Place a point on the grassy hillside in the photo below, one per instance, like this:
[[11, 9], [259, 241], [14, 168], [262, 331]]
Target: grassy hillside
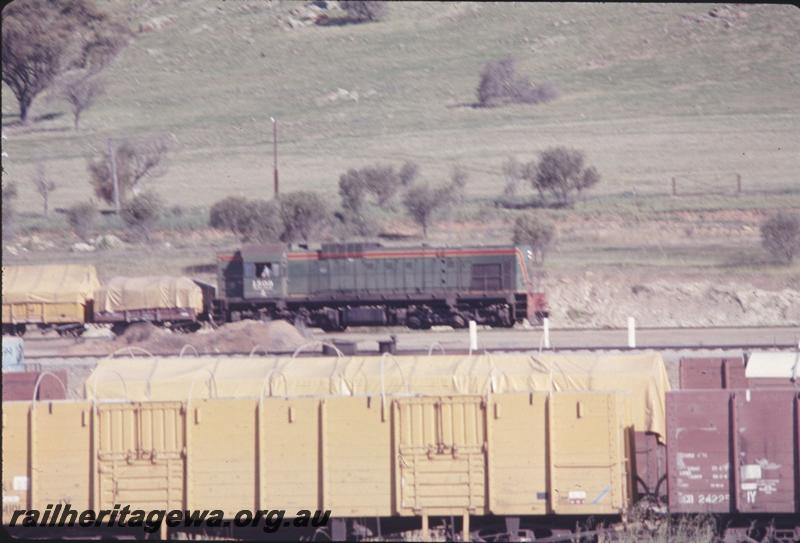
[[647, 91]]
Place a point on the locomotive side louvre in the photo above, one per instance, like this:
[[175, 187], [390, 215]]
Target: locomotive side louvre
[[343, 284]]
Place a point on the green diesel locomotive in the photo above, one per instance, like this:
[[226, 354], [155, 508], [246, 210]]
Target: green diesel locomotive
[[367, 284]]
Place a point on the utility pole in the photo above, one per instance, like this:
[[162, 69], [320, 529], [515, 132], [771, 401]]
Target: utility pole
[[113, 159], [275, 155]]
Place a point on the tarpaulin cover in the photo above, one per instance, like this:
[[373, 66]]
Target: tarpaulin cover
[[51, 283], [130, 293], [642, 375]]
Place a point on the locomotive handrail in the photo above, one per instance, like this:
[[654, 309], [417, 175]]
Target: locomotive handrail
[[339, 353], [436, 344], [196, 352], [39, 379]]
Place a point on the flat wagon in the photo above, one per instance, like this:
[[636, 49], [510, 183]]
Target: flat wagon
[[55, 296]]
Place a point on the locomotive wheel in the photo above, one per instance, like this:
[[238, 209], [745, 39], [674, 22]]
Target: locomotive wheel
[[459, 321], [414, 322]]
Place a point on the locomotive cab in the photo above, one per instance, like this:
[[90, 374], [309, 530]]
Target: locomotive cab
[[264, 271]]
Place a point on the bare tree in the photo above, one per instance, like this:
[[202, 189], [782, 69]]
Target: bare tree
[[82, 217], [42, 39], [44, 186], [512, 172], [499, 84], [408, 172], [135, 162], [142, 212], [458, 184], [538, 235], [81, 94], [780, 235], [423, 202]]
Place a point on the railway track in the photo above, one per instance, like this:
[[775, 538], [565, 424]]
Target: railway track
[[713, 339]]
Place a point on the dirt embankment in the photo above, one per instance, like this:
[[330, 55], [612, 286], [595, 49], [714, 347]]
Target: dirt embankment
[[238, 337], [593, 301]]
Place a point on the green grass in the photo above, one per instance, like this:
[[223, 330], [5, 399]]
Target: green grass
[[646, 95]]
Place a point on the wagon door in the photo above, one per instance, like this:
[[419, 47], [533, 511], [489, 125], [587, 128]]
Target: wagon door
[[764, 450], [140, 455], [440, 455]]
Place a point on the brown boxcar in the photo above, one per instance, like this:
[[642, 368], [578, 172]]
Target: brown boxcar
[[733, 451], [712, 372], [19, 385]]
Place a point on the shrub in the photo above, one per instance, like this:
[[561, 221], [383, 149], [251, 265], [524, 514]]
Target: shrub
[[141, 213], [82, 218], [250, 220], [560, 174], [529, 230], [302, 214], [423, 202], [380, 180], [364, 10], [231, 213], [9, 195], [780, 235], [499, 84], [353, 191]]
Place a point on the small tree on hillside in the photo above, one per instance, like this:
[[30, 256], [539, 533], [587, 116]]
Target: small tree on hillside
[[81, 94], [408, 173], [353, 191], [43, 39], [142, 212], [528, 230], [423, 202], [135, 162], [364, 10], [250, 220], [44, 186], [458, 184], [512, 172], [82, 217], [780, 235], [561, 173], [380, 180], [303, 213], [500, 84], [9, 196]]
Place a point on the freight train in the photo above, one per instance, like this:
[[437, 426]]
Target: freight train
[[496, 447], [331, 287]]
